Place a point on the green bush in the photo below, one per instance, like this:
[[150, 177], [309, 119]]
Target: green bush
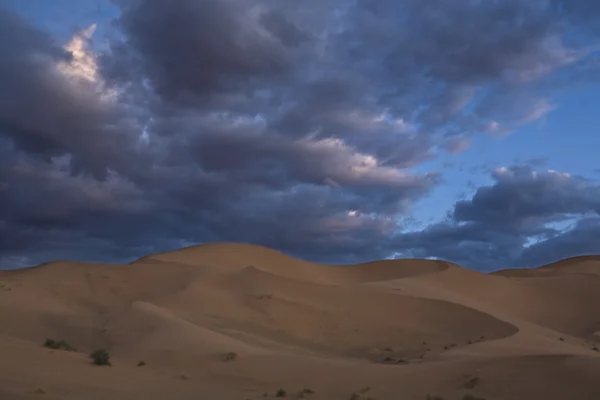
[[100, 357], [58, 345], [471, 383]]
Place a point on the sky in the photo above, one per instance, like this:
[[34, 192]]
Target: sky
[[338, 131]]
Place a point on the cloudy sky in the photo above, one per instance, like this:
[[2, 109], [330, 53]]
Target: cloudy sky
[[333, 130]]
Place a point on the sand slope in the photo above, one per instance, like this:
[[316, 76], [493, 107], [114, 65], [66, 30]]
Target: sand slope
[[236, 321]]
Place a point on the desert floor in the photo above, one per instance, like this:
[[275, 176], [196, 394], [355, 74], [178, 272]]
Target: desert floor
[[234, 321]]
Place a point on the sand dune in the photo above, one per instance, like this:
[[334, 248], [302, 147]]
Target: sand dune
[[235, 321], [573, 265], [235, 256]]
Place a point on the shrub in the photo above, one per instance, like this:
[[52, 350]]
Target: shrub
[[364, 390], [141, 363], [280, 393], [100, 357], [360, 394], [429, 397], [230, 356], [58, 345], [471, 383]]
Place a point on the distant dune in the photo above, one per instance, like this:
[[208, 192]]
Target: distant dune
[[238, 321]]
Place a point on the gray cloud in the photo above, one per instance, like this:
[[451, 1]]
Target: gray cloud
[[47, 113], [451, 40], [218, 46], [521, 195], [581, 239], [514, 222], [292, 125]]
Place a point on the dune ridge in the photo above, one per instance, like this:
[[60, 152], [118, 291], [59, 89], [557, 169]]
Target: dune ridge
[[236, 320]]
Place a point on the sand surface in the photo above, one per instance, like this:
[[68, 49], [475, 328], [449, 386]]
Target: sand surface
[[235, 321]]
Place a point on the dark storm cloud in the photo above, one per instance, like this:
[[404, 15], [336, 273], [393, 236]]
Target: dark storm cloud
[[185, 182], [452, 54], [492, 230], [581, 239], [216, 46], [286, 32], [293, 125], [463, 42], [47, 114], [521, 194]]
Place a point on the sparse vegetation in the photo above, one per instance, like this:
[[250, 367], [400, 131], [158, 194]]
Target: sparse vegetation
[[280, 393], [359, 395], [230, 356], [393, 361], [100, 357], [141, 363], [267, 296], [58, 345], [471, 383]]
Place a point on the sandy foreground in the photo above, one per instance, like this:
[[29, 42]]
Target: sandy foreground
[[235, 321]]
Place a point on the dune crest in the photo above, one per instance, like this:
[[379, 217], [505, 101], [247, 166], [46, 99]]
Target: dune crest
[[241, 255]]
